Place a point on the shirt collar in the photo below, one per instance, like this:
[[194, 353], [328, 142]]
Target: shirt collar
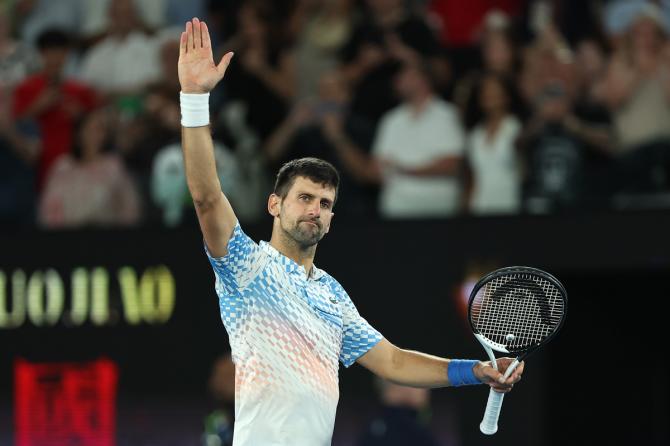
[[289, 264]]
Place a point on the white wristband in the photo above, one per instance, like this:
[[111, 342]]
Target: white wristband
[[194, 109]]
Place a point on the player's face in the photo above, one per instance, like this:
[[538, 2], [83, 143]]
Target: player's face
[[306, 211]]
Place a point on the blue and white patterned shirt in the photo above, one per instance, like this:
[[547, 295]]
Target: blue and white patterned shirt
[[287, 333]]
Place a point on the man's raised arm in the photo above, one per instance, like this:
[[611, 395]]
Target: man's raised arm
[[198, 74]]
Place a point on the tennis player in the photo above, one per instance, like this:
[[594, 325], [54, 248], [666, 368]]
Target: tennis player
[[289, 322]]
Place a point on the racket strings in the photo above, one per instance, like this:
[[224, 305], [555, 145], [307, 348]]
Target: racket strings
[[517, 310]]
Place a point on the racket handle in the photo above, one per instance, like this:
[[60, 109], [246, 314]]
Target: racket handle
[[489, 424]]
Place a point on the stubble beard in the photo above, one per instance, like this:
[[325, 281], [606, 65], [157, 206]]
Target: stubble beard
[[304, 235]]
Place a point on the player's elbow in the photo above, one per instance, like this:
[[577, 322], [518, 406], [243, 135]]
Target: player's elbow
[[205, 202], [393, 367]]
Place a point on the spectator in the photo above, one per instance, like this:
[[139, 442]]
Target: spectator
[[637, 87], [53, 101], [152, 14], [402, 420], [555, 154], [168, 53], [17, 152], [17, 182], [590, 117], [263, 76], [152, 149], [314, 128], [126, 60], [637, 91], [169, 190], [591, 65], [569, 128], [155, 16], [618, 15], [37, 16], [492, 158], [499, 54], [498, 46], [459, 26], [416, 154], [157, 122], [90, 186], [387, 37], [324, 28], [547, 60]]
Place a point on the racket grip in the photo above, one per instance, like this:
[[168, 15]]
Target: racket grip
[[489, 424]]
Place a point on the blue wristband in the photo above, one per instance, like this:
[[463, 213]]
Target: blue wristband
[[460, 372]]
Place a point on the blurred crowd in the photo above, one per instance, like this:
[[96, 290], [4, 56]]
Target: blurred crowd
[[429, 108]]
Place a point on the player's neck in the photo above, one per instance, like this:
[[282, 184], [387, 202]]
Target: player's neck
[[289, 248]]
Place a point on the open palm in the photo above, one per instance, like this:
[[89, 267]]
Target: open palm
[[197, 71]]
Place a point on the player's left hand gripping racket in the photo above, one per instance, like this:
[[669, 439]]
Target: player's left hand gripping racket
[[514, 310]]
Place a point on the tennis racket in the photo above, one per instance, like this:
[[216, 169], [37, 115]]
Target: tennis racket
[[514, 310]]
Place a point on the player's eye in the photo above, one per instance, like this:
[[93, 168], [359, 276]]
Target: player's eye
[[325, 205]]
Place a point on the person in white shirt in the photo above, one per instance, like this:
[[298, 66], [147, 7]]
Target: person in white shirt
[[289, 322], [125, 61], [417, 152], [492, 157]]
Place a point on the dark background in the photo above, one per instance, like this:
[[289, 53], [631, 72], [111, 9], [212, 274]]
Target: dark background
[[603, 380]]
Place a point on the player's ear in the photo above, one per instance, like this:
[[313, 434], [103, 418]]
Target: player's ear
[[332, 215], [274, 205]]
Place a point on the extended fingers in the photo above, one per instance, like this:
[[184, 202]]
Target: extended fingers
[[189, 36], [183, 47], [197, 33], [206, 42]]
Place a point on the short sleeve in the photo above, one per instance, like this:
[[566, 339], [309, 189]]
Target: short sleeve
[[241, 264], [358, 336]]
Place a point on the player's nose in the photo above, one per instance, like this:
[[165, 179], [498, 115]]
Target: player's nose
[[314, 209]]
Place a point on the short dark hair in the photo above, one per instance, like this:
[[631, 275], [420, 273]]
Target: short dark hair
[[53, 38], [424, 67], [315, 169]]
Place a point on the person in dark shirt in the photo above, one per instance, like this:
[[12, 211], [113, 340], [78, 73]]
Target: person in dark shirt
[[309, 131], [555, 153], [387, 35], [263, 77]]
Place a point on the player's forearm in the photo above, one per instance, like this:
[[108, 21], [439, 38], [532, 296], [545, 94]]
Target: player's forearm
[[201, 176], [416, 369]]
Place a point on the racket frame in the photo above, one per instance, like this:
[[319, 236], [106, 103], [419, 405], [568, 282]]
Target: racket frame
[[489, 424]]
